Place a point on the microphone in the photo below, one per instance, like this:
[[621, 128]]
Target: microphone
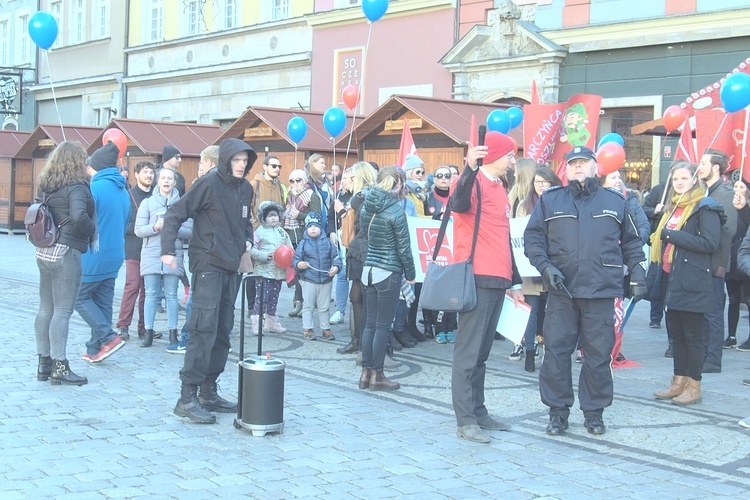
[[482, 133]]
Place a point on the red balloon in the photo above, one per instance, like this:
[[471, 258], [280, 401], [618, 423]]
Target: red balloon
[[609, 158], [283, 256], [350, 95], [674, 116], [115, 135]]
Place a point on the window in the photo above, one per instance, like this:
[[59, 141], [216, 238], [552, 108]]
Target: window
[[4, 43], [103, 116], [24, 52], [279, 9], [192, 17], [230, 14], [55, 9], [155, 20], [100, 20], [76, 22], [343, 4]]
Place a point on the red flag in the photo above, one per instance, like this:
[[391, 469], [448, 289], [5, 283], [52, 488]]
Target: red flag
[[534, 94], [686, 148], [473, 132], [716, 129], [407, 143]]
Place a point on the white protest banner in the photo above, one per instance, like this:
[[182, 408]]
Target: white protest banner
[[517, 227]]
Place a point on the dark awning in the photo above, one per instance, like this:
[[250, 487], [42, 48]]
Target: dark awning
[[52, 135]]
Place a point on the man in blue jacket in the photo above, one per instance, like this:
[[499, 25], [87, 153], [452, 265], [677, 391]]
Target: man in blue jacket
[[102, 263], [220, 205]]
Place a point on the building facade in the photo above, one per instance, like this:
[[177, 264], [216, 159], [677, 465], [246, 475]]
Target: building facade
[[17, 66]]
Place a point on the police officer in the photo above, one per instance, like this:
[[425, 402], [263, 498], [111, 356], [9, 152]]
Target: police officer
[[579, 237]]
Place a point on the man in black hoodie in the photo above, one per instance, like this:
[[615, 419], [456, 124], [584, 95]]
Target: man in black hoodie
[[220, 205]]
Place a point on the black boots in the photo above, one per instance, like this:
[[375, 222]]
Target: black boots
[[530, 363], [209, 398], [173, 339], [63, 375], [188, 406], [45, 368], [148, 338]]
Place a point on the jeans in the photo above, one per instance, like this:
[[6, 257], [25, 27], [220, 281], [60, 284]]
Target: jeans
[[134, 290], [94, 304], [211, 321], [713, 327], [185, 333], [153, 292], [380, 307], [399, 317], [59, 283], [342, 290]]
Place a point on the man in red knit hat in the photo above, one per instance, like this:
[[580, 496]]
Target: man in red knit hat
[[494, 272]]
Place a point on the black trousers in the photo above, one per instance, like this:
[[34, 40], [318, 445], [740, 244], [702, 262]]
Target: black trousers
[[567, 323], [210, 323], [686, 331]]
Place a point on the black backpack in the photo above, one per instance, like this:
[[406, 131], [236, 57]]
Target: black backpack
[[41, 229]]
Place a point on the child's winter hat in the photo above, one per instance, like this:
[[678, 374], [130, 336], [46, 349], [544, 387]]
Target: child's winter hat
[[266, 208], [314, 219]]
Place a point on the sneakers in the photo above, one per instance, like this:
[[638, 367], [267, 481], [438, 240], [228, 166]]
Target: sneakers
[[309, 335], [106, 350], [450, 337], [669, 353], [745, 423], [654, 324], [328, 335], [178, 348], [337, 318], [746, 381], [472, 433], [123, 333], [579, 356], [745, 346], [517, 353], [730, 342], [440, 338], [557, 425], [594, 424]]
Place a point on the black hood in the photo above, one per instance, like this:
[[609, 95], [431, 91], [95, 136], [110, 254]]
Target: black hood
[[229, 148]]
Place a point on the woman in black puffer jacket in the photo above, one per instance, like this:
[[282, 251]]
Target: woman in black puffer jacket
[[388, 259], [64, 184]]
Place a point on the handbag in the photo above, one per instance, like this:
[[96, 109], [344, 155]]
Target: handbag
[[451, 288], [246, 264]]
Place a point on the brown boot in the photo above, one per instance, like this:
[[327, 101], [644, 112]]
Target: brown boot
[[678, 387], [379, 382], [691, 394], [364, 379]]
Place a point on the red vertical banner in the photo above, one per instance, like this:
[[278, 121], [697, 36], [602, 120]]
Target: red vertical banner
[[686, 147], [717, 129], [348, 69]]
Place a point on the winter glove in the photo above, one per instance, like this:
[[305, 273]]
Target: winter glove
[[553, 278], [638, 288]]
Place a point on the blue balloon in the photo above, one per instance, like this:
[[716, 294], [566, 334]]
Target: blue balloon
[[516, 116], [43, 29], [334, 120], [611, 137], [374, 9], [735, 92], [297, 129], [498, 121]]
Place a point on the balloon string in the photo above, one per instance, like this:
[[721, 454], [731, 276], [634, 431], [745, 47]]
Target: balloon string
[[52, 88], [295, 156], [359, 93], [718, 131]]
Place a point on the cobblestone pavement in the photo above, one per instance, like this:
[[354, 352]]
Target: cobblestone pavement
[[117, 437]]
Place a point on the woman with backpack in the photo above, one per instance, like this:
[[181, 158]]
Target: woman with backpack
[[64, 186]]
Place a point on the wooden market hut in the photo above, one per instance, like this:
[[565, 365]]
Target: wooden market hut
[[439, 127], [29, 162], [265, 130], [146, 139], [10, 142]]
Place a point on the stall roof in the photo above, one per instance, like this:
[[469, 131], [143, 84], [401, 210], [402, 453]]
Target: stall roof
[[11, 141], [151, 136], [452, 117], [82, 134], [317, 138], [653, 127]]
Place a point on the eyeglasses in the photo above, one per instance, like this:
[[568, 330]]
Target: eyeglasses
[[295, 181], [275, 165], [443, 176], [419, 172], [542, 183]]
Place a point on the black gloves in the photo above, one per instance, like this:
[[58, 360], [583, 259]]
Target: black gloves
[[553, 278], [638, 291]]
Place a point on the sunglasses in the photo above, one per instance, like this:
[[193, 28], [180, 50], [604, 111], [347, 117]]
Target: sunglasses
[[275, 165], [443, 176], [419, 172], [295, 181]]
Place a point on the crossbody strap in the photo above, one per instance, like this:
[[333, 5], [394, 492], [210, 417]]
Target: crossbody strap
[[65, 221], [446, 218]]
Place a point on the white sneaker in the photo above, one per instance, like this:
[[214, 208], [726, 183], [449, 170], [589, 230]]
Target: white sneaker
[[337, 318], [745, 423]]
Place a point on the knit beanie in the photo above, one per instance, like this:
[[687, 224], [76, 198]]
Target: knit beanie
[[314, 219], [105, 156], [411, 162], [168, 153], [498, 145]]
